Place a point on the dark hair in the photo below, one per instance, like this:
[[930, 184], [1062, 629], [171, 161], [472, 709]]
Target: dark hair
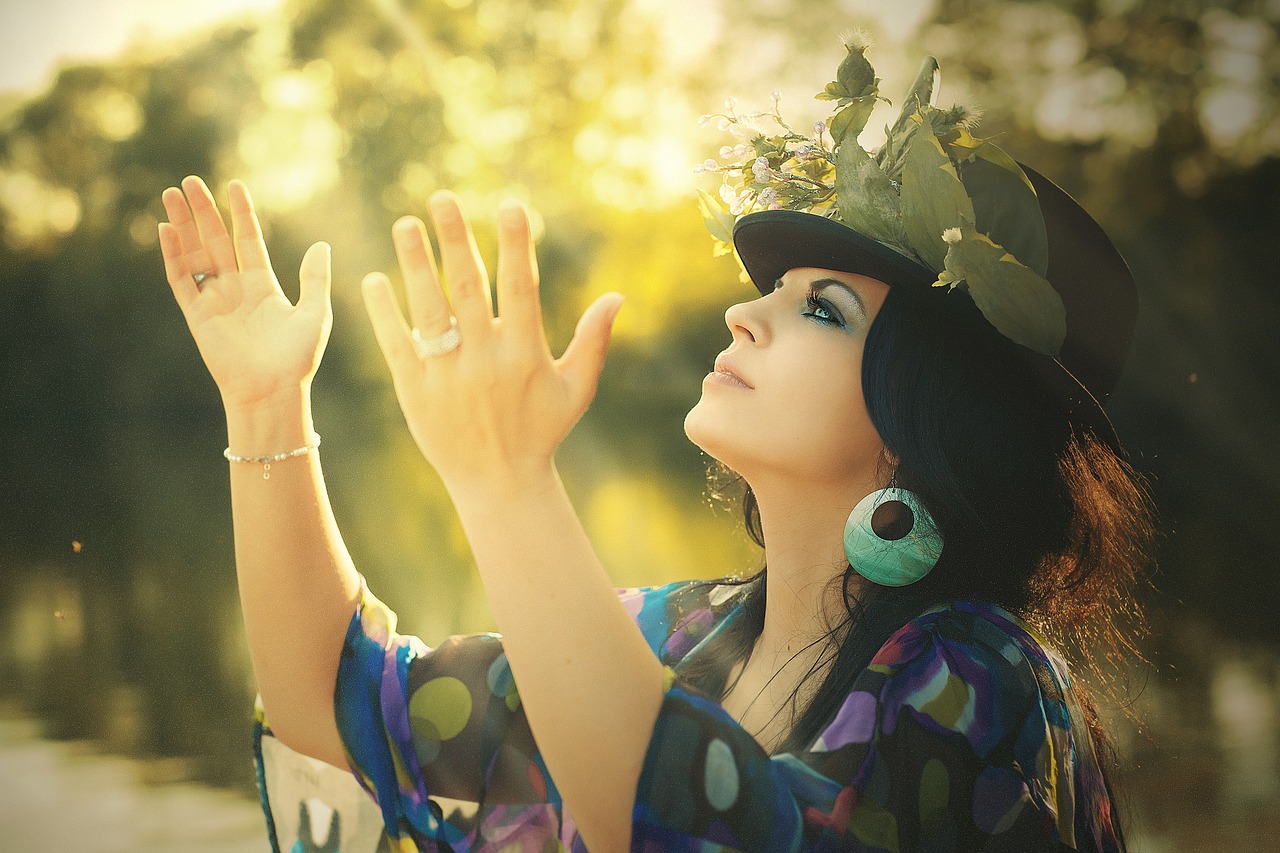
[[1038, 517]]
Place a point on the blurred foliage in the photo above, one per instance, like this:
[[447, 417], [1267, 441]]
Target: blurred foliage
[[1162, 117]]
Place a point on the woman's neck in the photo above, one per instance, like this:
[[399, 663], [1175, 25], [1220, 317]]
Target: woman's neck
[[804, 551]]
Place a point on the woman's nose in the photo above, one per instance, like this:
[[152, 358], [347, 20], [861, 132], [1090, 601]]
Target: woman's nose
[[743, 320]]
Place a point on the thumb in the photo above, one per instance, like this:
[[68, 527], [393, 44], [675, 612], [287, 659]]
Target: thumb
[[315, 278], [583, 359]]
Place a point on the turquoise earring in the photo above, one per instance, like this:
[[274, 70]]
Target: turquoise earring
[[890, 538]]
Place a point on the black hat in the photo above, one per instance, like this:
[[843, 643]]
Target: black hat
[[935, 205], [1084, 267]]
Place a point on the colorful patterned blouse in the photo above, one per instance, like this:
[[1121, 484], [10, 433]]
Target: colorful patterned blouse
[[962, 734]]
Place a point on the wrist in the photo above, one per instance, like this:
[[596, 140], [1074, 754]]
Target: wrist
[[531, 479], [272, 425]]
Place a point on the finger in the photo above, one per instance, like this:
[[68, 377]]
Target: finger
[[518, 303], [251, 251], [213, 231], [175, 269], [583, 359], [315, 279], [428, 307], [195, 258], [389, 327], [463, 269]]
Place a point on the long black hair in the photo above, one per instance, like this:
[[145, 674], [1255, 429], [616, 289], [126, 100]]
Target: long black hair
[[1037, 516]]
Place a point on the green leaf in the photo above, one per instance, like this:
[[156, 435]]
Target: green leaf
[[1014, 298], [850, 121], [1005, 206], [961, 144], [834, 91], [919, 95], [933, 199], [866, 199], [718, 220]]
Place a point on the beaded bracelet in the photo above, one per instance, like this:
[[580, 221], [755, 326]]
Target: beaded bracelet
[[266, 461]]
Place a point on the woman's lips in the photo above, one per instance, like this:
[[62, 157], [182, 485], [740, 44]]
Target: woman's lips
[[726, 374]]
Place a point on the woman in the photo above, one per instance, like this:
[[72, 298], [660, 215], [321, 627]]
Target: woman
[[920, 477]]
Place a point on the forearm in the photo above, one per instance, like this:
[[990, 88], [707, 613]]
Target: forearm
[[298, 587], [589, 683]]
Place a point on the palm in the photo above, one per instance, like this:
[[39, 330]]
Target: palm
[[253, 340], [498, 400]]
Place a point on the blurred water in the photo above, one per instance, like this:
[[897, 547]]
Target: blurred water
[[71, 796]]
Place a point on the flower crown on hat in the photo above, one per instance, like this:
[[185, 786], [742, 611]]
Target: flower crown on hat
[[933, 192]]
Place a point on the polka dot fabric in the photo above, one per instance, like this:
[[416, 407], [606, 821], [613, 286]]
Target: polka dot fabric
[[961, 735]]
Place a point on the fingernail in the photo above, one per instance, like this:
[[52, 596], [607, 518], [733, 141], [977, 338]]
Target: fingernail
[[510, 214], [617, 306], [443, 204]]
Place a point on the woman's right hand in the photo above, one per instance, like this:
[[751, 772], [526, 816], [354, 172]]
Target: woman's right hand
[[256, 344]]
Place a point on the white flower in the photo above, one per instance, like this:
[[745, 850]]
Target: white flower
[[704, 120], [741, 150], [699, 169], [727, 195], [951, 235], [819, 128], [722, 124], [768, 196], [730, 103], [726, 151], [736, 207], [857, 38]]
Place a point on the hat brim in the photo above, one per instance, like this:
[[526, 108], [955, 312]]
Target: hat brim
[[772, 242]]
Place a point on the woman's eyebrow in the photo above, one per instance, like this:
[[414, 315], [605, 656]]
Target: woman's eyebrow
[[822, 283]]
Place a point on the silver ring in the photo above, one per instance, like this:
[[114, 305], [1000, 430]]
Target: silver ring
[[199, 277], [441, 344]]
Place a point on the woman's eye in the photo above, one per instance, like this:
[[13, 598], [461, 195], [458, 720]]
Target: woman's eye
[[822, 310]]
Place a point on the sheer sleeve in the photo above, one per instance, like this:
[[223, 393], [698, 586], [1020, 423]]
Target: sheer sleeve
[[955, 738], [419, 724]]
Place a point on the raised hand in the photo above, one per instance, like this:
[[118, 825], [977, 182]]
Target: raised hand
[[498, 405], [254, 341]]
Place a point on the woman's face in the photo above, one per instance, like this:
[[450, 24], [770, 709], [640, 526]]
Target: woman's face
[[786, 397]]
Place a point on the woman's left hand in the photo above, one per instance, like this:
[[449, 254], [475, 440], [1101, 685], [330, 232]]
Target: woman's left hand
[[498, 406]]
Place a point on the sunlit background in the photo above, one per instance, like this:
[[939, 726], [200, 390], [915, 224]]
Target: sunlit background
[[125, 687]]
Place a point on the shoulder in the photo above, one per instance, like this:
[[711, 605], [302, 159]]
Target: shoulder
[[967, 670], [677, 616], [967, 698]]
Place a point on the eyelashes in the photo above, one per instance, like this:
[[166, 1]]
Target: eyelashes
[[822, 310]]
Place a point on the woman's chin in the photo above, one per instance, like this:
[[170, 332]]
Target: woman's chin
[[708, 433]]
